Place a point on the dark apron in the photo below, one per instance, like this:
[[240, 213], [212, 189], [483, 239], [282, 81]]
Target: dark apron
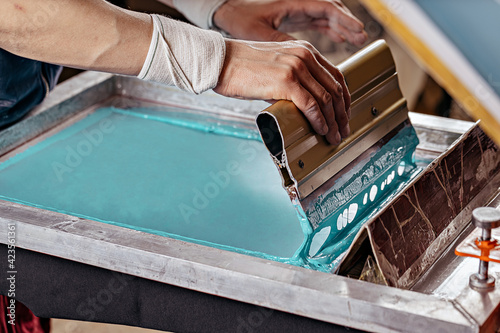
[[24, 83]]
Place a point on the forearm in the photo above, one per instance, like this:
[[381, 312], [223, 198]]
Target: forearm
[[87, 34]]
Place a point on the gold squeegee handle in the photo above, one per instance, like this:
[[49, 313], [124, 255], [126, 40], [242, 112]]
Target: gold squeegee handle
[[362, 71]]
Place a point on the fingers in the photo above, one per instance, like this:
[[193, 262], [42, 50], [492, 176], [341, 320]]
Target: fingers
[[341, 22], [341, 117], [345, 18], [294, 71], [334, 36], [328, 87], [356, 38], [345, 93], [308, 105], [319, 106], [318, 109]]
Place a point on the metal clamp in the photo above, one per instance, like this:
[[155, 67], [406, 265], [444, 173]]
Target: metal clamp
[[486, 218]]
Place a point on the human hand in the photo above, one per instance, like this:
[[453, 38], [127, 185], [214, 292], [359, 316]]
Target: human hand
[[294, 71], [271, 20]]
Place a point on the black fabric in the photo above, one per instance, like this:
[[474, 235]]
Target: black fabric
[[58, 288], [22, 86]]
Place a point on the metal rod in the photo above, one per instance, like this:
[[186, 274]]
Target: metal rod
[[483, 270], [483, 265]]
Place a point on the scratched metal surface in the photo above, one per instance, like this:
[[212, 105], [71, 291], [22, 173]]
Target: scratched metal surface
[[409, 235], [440, 301]]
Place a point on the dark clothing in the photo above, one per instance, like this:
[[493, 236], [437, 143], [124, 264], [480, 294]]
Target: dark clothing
[[24, 83]]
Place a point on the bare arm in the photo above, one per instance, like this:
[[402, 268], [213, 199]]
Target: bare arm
[[93, 34], [89, 34]]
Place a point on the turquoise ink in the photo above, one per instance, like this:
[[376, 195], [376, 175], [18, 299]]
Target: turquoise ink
[[341, 211], [178, 175], [206, 124], [169, 179]]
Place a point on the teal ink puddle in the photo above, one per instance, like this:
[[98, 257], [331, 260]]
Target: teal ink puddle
[[340, 211], [174, 174]]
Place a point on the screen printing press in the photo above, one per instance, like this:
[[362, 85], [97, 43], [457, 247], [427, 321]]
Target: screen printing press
[[119, 243]]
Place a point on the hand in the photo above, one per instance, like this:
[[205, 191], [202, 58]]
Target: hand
[[269, 20], [294, 71]]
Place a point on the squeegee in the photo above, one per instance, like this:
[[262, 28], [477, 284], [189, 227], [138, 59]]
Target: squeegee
[[334, 187]]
